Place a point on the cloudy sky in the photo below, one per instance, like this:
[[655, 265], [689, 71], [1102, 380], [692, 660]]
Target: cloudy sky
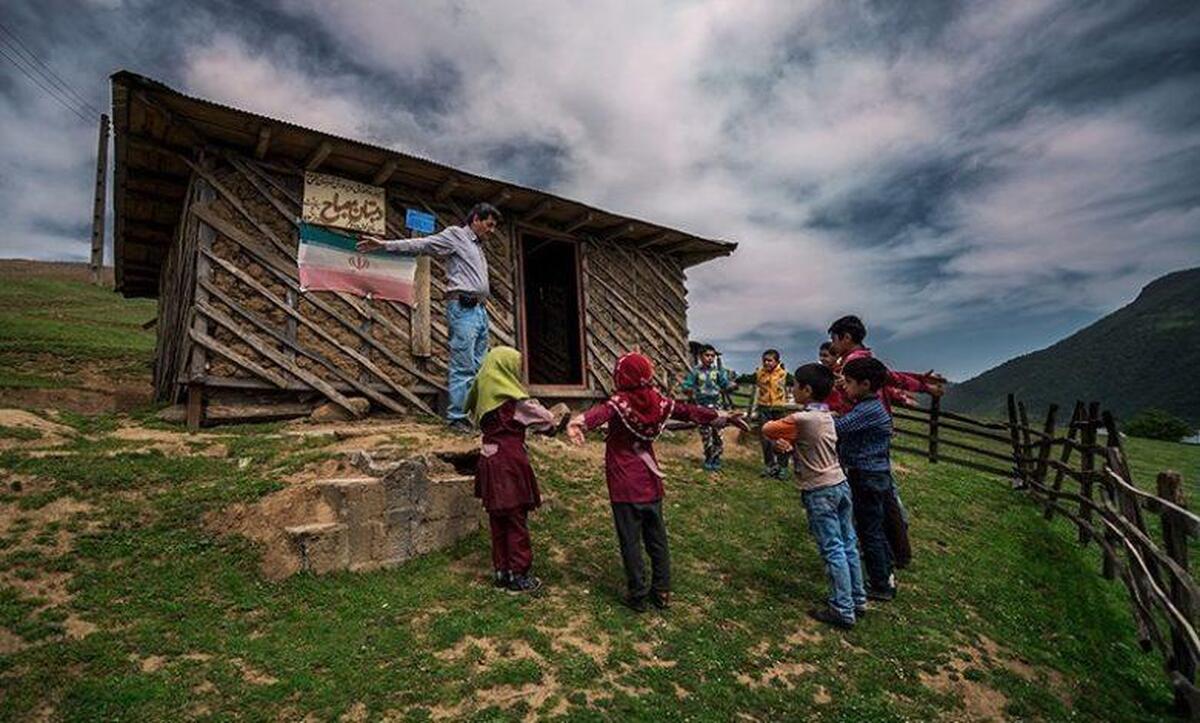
[[976, 180]]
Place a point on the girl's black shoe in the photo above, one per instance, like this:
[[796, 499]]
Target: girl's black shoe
[[502, 579], [523, 583], [636, 604]]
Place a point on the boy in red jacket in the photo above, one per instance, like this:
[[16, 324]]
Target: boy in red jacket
[[636, 414]]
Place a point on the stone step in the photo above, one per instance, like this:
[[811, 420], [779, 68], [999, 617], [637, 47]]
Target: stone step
[[323, 546]]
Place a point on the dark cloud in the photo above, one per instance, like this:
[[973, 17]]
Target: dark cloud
[[976, 179]]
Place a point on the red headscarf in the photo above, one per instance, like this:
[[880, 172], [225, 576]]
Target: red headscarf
[[641, 407]]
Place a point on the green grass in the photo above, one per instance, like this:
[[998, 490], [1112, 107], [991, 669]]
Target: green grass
[[48, 327], [182, 612]]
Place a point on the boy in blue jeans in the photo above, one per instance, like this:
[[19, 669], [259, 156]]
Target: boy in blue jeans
[[864, 436], [706, 384], [824, 492]]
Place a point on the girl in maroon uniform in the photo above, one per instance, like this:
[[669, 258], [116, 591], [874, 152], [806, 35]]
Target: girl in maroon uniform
[[504, 479], [636, 415]]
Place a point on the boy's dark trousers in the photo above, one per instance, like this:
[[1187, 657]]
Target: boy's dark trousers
[[896, 528], [710, 437], [638, 521], [871, 491], [772, 460]]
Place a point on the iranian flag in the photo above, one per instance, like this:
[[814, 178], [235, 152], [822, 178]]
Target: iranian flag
[[329, 262]]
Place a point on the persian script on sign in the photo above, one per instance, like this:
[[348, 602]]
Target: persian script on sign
[[342, 203]]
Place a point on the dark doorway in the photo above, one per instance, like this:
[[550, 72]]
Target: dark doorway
[[550, 272]]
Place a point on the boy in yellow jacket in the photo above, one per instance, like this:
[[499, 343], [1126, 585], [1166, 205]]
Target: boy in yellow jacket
[[770, 396]]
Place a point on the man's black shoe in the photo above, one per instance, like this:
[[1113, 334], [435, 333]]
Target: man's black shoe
[[461, 426], [860, 613], [523, 583], [830, 617], [636, 604], [881, 595], [661, 600]]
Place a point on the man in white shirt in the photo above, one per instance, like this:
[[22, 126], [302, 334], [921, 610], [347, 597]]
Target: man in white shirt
[[466, 291]]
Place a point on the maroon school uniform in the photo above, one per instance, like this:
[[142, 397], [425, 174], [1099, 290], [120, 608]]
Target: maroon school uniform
[[629, 462], [504, 479]]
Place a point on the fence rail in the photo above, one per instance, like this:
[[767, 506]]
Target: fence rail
[[1069, 472]]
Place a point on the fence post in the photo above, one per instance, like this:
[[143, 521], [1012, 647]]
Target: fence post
[[1087, 467], [1047, 444], [935, 408], [1014, 431], [1170, 488], [1065, 456]]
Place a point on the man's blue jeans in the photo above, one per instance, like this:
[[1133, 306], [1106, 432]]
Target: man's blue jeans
[[468, 344], [831, 520], [871, 491]]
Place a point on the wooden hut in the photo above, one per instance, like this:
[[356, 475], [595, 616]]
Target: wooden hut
[[207, 203]]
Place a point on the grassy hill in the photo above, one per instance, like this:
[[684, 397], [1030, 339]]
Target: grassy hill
[[121, 598], [1142, 355]]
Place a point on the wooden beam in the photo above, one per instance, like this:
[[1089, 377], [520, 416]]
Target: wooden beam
[[264, 142], [318, 156], [579, 223], [615, 233], [656, 240], [500, 198], [538, 210], [420, 321], [385, 172], [443, 192]]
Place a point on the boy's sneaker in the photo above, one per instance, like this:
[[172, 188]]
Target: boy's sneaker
[[502, 578], [636, 604], [830, 617], [881, 594], [860, 613], [782, 473], [769, 472], [523, 583], [661, 600], [710, 467]]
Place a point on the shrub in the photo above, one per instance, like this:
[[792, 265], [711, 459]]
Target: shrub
[[1157, 424]]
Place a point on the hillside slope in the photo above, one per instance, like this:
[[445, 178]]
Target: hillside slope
[[1144, 354]]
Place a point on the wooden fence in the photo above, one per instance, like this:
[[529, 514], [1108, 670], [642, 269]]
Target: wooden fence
[[1069, 471]]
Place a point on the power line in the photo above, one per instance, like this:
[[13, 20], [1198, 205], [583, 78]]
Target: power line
[[49, 91], [52, 77]]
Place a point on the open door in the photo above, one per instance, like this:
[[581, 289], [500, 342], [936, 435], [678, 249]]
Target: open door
[[552, 322]]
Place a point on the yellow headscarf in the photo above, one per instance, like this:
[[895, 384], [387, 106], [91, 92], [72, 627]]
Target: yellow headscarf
[[498, 380]]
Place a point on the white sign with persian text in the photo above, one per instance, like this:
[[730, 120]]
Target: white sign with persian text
[[342, 203]]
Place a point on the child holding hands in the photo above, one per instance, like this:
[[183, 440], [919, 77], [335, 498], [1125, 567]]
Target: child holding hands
[[504, 479], [636, 414]]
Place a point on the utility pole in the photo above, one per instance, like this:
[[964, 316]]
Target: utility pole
[[98, 208]]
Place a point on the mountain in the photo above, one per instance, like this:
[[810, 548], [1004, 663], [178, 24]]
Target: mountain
[[1146, 354]]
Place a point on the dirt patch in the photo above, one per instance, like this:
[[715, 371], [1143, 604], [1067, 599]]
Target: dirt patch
[[130, 396], [49, 433], [781, 673], [981, 701], [253, 676], [77, 628], [264, 522], [592, 643], [10, 642], [822, 696], [152, 663], [356, 713]]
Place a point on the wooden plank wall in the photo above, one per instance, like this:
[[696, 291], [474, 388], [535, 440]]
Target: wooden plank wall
[[635, 300], [260, 331]]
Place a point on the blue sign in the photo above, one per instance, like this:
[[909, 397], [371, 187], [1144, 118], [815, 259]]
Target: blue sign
[[419, 220]]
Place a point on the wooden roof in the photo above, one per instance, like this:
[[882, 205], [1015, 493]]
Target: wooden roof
[[156, 124]]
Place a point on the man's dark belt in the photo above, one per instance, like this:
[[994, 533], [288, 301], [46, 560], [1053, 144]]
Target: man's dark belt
[[465, 300]]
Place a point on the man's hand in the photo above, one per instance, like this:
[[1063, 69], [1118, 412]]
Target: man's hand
[[783, 446], [575, 431], [367, 244]]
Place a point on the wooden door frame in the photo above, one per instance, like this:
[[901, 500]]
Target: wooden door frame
[[550, 390]]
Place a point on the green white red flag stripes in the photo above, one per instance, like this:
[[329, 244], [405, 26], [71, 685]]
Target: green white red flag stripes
[[329, 262]]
